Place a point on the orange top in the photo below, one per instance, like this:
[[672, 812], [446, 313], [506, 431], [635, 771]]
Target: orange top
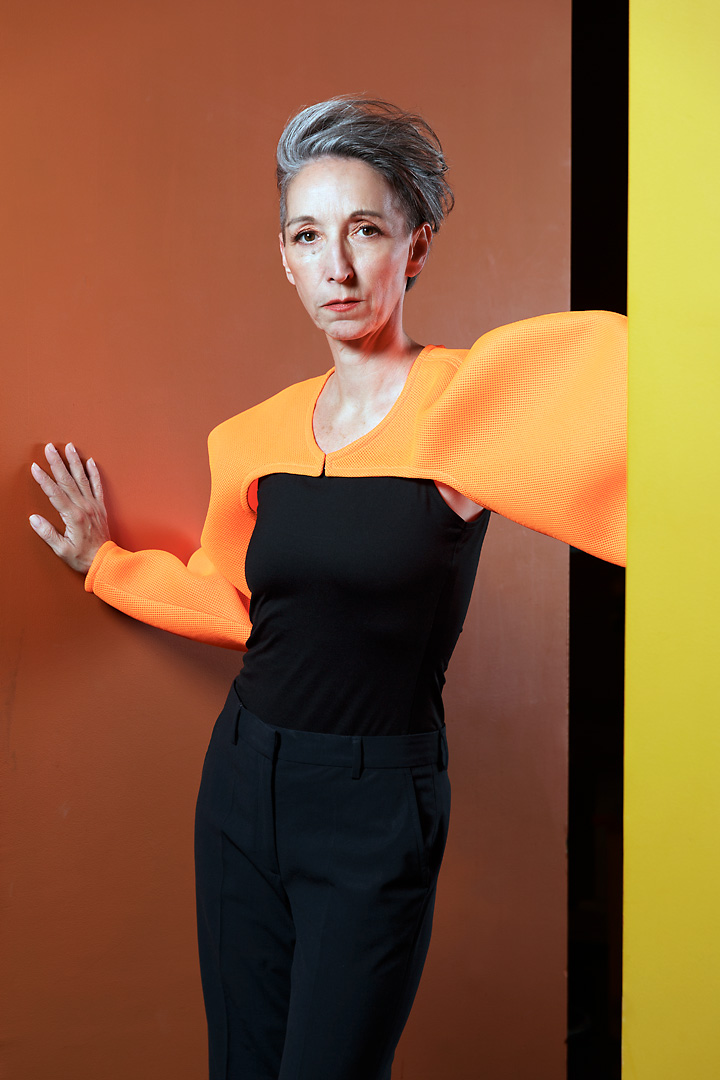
[[529, 422]]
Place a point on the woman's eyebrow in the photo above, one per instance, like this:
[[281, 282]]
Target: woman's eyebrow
[[309, 220], [367, 213]]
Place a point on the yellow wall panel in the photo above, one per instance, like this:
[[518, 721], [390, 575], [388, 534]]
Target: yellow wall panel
[[672, 832]]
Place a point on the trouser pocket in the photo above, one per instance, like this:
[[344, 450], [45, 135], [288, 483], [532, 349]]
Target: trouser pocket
[[429, 796]]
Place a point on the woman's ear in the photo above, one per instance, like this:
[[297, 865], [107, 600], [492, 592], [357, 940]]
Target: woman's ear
[[288, 272], [420, 243]]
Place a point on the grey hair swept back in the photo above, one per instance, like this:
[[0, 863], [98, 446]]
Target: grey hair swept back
[[400, 145]]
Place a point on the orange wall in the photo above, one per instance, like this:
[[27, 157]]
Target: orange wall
[[144, 302]]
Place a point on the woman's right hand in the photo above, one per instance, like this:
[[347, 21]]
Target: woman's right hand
[[77, 495]]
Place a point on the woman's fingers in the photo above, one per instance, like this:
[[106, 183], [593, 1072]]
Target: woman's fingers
[[77, 496], [60, 471], [59, 498], [50, 535], [70, 487], [76, 469], [95, 481]]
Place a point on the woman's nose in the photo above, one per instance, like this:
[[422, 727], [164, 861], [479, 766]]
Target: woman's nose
[[339, 264]]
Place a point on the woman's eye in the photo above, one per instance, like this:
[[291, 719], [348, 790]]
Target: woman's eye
[[306, 236], [368, 230]]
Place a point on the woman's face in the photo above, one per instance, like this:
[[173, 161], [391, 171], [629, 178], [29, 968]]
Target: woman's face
[[347, 247]]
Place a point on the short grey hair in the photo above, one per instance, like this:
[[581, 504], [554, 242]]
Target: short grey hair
[[400, 145]]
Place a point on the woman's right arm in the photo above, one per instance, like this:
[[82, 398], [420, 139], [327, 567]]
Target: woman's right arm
[[153, 586]]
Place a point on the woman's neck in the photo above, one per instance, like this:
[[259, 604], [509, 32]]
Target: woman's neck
[[368, 379], [372, 368]]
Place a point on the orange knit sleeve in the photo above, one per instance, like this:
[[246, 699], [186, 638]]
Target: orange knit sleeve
[[532, 424], [156, 587]]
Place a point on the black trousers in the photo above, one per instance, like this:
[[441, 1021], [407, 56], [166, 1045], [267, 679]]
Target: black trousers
[[317, 859]]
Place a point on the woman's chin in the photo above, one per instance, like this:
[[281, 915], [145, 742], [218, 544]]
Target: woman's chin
[[345, 329]]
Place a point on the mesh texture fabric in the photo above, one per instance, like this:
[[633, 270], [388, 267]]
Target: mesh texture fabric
[[529, 422]]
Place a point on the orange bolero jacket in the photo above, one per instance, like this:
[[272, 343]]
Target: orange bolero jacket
[[530, 422]]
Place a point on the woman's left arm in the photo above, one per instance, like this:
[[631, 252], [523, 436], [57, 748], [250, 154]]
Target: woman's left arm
[[533, 426]]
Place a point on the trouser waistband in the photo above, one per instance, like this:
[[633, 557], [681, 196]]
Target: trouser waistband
[[352, 751]]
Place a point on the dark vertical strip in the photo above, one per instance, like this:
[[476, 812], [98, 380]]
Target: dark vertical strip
[[597, 589]]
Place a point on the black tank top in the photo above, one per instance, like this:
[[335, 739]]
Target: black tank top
[[360, 586]]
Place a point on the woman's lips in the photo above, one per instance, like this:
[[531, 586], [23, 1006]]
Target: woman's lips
[[342, 305]]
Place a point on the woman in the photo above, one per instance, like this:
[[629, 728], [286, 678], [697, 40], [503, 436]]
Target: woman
[[352, 509]]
